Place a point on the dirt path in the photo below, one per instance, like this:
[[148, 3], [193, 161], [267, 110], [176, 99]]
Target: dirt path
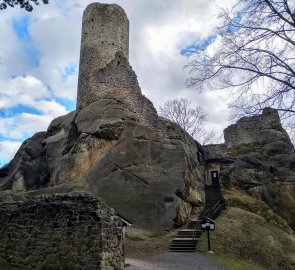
[[174, 261]]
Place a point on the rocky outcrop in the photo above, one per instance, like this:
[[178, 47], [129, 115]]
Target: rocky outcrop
[[260, 160], [134, 168], [144, 166], [28, 169]]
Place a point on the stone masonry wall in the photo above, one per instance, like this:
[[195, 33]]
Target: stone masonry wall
[[105, 31], [214, 151], [60, 232], [104, 70]]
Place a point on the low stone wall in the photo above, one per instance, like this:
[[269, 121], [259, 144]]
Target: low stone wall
[[60, 232], [214, 151]]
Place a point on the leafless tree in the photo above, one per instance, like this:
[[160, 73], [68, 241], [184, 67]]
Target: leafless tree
[[25, 4], [253, 55], [192, 120]]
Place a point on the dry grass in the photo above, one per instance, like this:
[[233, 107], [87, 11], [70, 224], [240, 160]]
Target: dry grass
[[244, 201], [250, 237], [136, 248]]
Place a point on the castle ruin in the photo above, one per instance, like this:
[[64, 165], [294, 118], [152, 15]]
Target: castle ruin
[[114, 150], [102, 38]]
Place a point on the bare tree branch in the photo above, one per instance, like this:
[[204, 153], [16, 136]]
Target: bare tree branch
[[191, 120], [255, 57]]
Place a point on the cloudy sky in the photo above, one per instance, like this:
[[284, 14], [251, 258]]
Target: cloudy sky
[[39, 60]]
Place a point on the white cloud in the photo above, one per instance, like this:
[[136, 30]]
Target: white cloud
[[158, 31], [31, 92], [24, 125], [27, 85], [8, 149], [51, 108]]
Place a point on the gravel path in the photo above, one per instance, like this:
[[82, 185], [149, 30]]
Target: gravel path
[[175, 261]]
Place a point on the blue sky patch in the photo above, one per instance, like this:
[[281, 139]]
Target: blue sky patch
[[70, 105], [20, 28], [197, 47], [238, 19], [11, 112], [34, 54], [69, 70], [3, 162]]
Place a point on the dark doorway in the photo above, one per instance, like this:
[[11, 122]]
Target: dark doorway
[[215, 178]]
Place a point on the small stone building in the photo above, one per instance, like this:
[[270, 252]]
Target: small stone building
[[213, 154], [60, 231]]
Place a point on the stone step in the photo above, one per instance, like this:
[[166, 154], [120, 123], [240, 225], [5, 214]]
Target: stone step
[[189, 227], [184, 241], [189, 231], [183, 250], [188, 235], [185, 237], [192, 232], [182, 245], [190, 239]]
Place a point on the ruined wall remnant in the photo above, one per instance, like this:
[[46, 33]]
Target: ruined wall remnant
[[105, 32], [254, 129], [104, 71], [60, 232], [260, 160], [214, 151]]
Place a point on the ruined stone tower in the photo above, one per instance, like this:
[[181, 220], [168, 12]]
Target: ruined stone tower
[[105, 32], [105, 73]]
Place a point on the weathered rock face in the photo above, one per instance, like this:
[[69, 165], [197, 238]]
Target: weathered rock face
[[28, 169], [61, 231], [260, 159], [115, 141]]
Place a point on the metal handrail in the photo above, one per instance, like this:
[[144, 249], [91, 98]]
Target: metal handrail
[[206, 214], [216, 204], [195, 231]]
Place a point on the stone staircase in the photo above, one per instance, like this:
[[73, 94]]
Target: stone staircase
[[186, 239]]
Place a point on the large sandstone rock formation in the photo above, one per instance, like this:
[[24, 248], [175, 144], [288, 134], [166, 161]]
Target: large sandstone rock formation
[[260, 159], [115, 141]]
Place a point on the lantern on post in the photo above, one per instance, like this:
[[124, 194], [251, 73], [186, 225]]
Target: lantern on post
[[208, 225]]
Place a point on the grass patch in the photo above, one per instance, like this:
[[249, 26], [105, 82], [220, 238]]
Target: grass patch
[[251, 204], [250, 238], [235, 263]]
